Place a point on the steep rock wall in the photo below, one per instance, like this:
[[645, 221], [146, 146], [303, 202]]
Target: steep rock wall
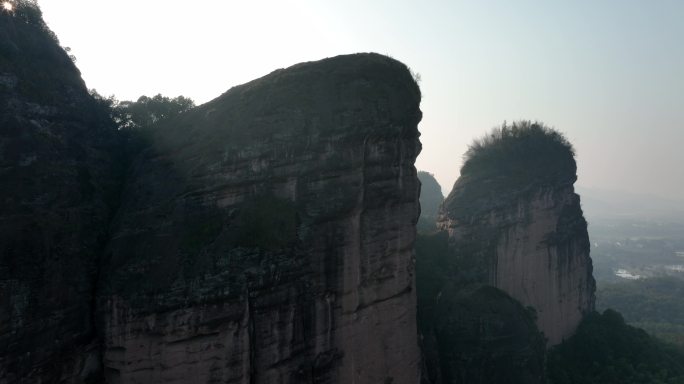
[[538, 252], [515, 223], [471, 333], [267, 236], [58, 185]]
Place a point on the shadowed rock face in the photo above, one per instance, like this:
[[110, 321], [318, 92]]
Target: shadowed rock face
[[267, 236], [515, 223], [264, 237], [471, 333], [57, 185], [484, 336]]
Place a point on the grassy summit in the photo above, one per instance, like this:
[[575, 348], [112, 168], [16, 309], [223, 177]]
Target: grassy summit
[[524, 149], [509, 162]]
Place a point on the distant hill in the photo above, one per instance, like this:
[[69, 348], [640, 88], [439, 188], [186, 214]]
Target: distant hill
[[608, 351], [654, 304], [430, 199], [608, 204]]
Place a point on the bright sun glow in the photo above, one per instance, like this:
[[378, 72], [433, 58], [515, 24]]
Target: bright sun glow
[[7, 6]]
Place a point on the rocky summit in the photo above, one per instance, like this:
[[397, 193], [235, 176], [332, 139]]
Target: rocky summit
[[264, 237], [508, 273], [267, 236], [515, 223]]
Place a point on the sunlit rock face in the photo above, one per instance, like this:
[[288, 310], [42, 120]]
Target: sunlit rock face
[[267, 236], [57, 192], [515, 223]]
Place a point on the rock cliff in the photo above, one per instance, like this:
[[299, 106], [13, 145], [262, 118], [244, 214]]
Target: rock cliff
[[58, 187], [515, 223], [267, 236], [471, 333], [264, 237]]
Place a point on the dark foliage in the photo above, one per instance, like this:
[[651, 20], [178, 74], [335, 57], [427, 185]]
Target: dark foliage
[[144, 112], [28, 12], [30, 51], [474, 333], [522, 147], [606, 350], [432, 271], [149, 110], [509, 163], [653, 304]]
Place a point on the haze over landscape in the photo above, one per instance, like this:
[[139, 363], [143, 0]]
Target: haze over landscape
[[204, 192], [608, 74]]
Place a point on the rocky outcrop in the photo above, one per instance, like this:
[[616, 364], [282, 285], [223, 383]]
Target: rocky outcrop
[[267, 236], [515, 223], [264, 237], [57, 191], [431, 199]]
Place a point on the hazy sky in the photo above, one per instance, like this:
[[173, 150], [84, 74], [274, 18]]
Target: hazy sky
[[607, 73]]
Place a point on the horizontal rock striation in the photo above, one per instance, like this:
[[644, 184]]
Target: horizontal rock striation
[[267, 236]]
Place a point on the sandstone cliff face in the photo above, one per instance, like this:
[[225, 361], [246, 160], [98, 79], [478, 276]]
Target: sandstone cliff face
[[57, 188], [523, 232], [267, 236], [471, 333]]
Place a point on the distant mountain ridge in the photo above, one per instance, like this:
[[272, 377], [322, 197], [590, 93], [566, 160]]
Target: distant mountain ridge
[[613, 204]]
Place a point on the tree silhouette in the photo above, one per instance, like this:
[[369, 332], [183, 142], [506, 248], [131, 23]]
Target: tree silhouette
[[149, 110], [143, 112]]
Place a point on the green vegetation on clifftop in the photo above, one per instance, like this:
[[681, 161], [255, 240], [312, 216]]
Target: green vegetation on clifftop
[[524, 149], [508, 163]]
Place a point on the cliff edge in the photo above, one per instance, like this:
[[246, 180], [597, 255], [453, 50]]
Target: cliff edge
[[58, 189], [515, 223], [267, 236]]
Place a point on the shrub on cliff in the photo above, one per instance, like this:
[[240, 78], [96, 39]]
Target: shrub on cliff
[[30, 51], [28, 12], [508, 163], [525, 149], [150, 110], [143, 112]]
